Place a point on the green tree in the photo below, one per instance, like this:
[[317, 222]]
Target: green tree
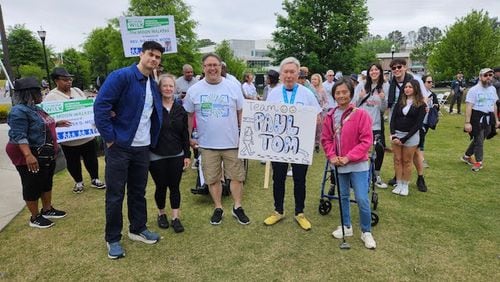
[[397, 38], [322, 34], [31, 70], [367, 50], [234, 65], [187, 52], [425, 43], [24, 47], [79, 66], [469, 44], [205, 42]]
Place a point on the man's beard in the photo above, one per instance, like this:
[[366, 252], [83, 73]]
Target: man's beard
[[486, 83]]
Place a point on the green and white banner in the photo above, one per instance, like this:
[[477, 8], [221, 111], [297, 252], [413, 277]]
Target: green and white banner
[[136, 30], [79, 112]]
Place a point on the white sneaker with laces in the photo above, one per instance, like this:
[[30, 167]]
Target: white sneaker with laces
[[369, 241], [96, 183], [397, 189], [404, 190], [380, 183], [338, 232], [289, 172]]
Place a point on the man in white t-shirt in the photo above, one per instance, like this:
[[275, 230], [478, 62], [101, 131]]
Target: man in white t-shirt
[[218, 103], [328, 85], [480, 115], [291, 93], [183, 83]]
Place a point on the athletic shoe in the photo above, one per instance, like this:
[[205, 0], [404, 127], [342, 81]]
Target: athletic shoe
[[78, 188], [393, 181], [303, 222], [145, 236], [289, 172], [421, 184], [337, 233], [240, 215], [380, 183], [96, 183], [216, 218], [404, 190], [274, 218], [369, 241], [115, 250], [163, 221], [467, 160], [397, 190], [177, 225], [426, 165], [40, 222], [53, 213], [477, 166]]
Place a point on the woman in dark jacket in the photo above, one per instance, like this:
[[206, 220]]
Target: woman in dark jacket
[[32, 149], [407, 118], [171, 155]]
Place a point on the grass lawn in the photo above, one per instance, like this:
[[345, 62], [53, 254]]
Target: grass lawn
[[449, 233]]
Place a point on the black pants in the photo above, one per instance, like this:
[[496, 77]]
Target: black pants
[[88, 153], [126, 167], [167, 173], [378, 138], [34, 184], [299, 185], [456, 98]]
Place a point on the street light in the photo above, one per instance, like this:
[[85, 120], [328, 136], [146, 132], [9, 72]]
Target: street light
[[42, 33], [393, 49]]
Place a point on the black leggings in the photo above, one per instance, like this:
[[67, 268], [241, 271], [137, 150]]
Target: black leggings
[[88, 153], [379, 148], [167, 173]]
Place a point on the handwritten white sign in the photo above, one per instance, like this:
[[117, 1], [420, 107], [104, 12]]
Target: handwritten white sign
[[137, 30], [79, 112], [277, 132]]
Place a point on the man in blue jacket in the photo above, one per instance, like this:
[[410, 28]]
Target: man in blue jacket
[[127, 114]]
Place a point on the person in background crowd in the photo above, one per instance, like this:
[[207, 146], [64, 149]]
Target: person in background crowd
[[319, 91], [480, 118], [128, 115], [328, 85], [346, 140], [171, 156], [183, 83], [85, 148], [432, 101], [354, 79], [291, 92], [457, 88], [407, 117], [227, 75], [249, 90], [496, 84], [371, 97], [157, 72], [273, 79], [30, 129], [218, 134]]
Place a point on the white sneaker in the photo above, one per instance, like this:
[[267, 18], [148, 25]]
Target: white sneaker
[[397, 190], [289, 173], [338, 232], [369, 241], [404, 190], [380, 183]]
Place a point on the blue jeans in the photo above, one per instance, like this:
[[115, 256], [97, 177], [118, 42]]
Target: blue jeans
[[126, 166], [360, 183]]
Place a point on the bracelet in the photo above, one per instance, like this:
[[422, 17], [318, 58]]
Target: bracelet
[[467, 122]]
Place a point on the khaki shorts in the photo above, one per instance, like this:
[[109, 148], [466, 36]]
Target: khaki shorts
[[211, 162]]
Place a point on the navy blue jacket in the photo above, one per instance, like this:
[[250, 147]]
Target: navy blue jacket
[[124, 92]]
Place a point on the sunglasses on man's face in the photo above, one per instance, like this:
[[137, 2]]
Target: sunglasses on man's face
[[429, 81], [488, 74], [397, 67]]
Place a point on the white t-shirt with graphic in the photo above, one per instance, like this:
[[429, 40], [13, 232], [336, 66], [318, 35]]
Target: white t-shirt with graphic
[[482, 98], [304, 96], [216, 107]]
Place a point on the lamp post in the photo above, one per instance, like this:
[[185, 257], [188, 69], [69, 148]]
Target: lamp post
[[393, 49], [42, 33]]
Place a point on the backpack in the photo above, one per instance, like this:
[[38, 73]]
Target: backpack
[[432, 118]]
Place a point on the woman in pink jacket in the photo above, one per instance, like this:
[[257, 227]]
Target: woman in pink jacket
[[346, 139]]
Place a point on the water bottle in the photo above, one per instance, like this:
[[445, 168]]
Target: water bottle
[[194, 136]]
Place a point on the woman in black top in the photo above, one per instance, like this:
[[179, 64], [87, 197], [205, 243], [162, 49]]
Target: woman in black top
[[171, 155], [406, 120]]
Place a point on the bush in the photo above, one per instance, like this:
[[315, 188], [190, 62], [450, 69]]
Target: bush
[[4, 111]]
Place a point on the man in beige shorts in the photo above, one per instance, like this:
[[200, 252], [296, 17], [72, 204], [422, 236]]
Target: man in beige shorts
[[218, 103]]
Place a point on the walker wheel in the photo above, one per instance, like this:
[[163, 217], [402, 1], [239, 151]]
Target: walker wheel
[[324, 207], [374, 219]]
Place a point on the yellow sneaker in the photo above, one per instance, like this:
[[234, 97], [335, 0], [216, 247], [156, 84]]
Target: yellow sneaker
[[303, 222], [274, 218]]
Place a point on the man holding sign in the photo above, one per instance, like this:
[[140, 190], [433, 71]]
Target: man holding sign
[[290, 93]]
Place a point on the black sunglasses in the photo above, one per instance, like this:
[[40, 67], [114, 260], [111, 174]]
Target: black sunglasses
[[429, 81], [397, 67]]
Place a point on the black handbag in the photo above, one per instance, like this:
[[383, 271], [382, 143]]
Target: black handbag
[[46, 153]]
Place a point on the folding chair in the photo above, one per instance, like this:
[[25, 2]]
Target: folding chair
[[442, 99]]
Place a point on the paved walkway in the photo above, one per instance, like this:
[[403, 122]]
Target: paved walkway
[[11, 199]]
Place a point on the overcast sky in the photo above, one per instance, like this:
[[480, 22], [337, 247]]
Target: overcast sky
[[68, 22]]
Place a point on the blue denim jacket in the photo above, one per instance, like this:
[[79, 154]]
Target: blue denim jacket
[[123, 92], [26, 126]]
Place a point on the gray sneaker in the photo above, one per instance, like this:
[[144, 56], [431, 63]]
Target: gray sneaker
[[78, 188], [145, 236]]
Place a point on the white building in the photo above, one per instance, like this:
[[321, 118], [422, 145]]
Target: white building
[[254, 52]]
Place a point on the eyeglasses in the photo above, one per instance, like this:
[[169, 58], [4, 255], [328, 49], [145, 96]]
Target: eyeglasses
[[397, 67], [211, 65], [65, 78], [488, 74], [429, 81]]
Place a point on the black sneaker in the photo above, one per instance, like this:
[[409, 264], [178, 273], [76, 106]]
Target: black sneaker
[[40, 222], [240, 215], [53, 213], [421, 184], [163, 221], [177, 225], [393, 181], [217, 216]]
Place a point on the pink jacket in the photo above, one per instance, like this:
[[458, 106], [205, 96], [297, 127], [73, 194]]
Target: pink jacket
[[356, 135]]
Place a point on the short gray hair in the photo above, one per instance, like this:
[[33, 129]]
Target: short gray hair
[[290, 60], [187, 67]]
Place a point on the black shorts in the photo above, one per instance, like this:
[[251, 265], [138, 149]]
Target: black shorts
[[34, 184]]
